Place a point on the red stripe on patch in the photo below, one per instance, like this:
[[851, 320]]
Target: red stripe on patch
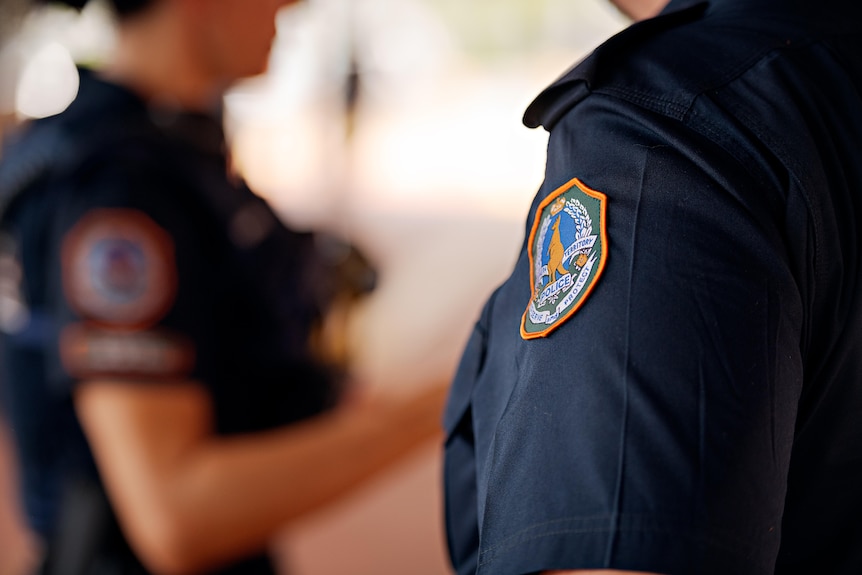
[[89, 352]]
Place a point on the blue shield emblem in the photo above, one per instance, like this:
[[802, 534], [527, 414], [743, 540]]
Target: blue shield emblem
[[567, 250]]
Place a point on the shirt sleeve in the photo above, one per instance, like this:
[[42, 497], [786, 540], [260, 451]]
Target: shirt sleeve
[[651, 428], [131, 288]]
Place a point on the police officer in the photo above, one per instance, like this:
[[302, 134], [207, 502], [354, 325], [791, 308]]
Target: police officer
[[168, 412], [671, 379]]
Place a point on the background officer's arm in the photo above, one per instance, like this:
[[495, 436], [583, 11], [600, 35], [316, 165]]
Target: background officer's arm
[[189, 499]]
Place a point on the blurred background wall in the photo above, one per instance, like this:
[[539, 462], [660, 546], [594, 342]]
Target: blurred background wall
[[397, 124]]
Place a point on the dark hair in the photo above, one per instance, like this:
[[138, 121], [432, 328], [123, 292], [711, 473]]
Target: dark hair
[[121, 7]]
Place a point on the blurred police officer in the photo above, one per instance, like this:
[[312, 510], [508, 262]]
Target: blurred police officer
[[671, 379], [167, 409]]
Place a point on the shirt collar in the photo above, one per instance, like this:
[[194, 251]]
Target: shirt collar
[[200, 131]]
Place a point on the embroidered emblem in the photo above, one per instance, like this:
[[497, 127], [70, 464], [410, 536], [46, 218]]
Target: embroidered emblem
[[118, 268], [567, 249]]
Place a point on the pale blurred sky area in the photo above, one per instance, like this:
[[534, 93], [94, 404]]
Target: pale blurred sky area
[[430, 171]]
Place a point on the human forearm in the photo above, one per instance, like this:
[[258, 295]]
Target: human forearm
[[260, 482], [189, 499]]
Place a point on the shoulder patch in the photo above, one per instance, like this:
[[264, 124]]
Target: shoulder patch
[[568, 248], [119, 269]]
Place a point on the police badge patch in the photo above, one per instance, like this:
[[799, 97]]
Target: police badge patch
[[568, 249], [118, 268]]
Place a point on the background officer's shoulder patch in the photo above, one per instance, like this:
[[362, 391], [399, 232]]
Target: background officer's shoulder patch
[[119, 268], [568, 248]]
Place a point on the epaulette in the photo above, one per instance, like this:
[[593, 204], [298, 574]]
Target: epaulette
[[48, 149], [31, 156], [575, 85]]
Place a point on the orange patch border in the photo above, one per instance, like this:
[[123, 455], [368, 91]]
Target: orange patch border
[[603, 199]]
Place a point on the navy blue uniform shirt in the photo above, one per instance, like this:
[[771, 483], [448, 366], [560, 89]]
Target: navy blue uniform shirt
[[140, 259], [671, 379]]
